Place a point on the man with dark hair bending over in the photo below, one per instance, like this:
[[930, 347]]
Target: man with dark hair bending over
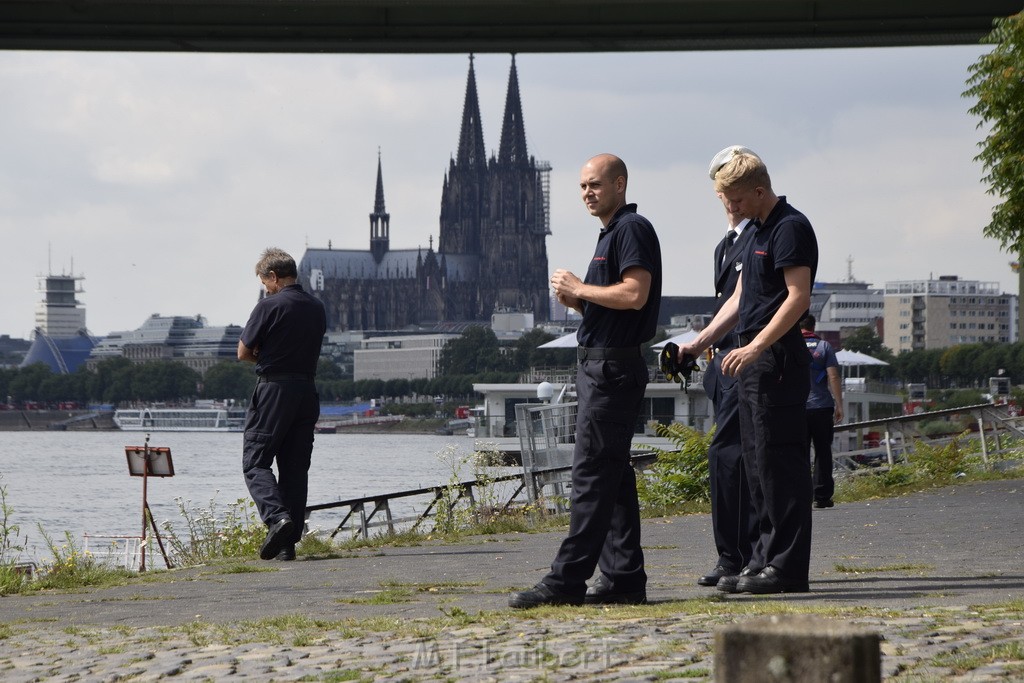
[[283, 338]]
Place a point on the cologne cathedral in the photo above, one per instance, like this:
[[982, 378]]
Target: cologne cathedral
[[490, 254]]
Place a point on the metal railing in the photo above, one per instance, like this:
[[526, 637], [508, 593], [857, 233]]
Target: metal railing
[[1000, 422]]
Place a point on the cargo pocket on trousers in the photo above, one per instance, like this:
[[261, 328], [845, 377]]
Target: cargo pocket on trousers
[[615, 431], [254, 450]]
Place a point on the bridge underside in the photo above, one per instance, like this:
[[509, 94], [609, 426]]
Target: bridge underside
[[438, 26]]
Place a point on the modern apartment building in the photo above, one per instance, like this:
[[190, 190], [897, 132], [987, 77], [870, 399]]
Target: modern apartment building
[[934, 314], [407, 357], [842, 307]]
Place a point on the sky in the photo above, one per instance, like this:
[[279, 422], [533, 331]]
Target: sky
[[160, 178]]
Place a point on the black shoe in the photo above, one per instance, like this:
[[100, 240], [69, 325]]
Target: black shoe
[[602, 593], [542, 594], [727, 584], [770, 581], [278, 535], [287, 554], [715, 575], [824, 504]]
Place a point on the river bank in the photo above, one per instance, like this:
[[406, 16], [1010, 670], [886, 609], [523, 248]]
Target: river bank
[[91, 420]]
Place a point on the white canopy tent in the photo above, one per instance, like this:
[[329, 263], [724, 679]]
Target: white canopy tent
[[566, 341], [857, 358]]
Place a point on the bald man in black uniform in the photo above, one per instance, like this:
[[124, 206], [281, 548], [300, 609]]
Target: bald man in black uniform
[[620, 300]]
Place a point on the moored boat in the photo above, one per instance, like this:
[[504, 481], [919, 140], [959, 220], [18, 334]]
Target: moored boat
[[199, 418]]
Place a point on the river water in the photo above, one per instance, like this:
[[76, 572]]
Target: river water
[[78, 481]]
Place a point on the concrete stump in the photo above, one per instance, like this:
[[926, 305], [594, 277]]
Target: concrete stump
[[796, 648]]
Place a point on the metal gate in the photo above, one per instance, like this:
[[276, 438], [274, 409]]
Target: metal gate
[[547, 436]]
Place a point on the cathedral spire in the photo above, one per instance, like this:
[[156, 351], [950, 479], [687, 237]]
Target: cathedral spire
[[378, 203], [380, 220], [512, 149], [471, 139]]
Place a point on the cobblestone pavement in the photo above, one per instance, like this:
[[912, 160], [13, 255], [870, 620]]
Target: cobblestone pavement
[[938, 575]]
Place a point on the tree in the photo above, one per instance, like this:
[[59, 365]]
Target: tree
[[865, 340], [163, 381], [529, 355], [229, 379], [474, 352], [997, 84]]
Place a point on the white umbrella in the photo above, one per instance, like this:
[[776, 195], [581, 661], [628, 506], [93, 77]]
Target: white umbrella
[[567, 341]]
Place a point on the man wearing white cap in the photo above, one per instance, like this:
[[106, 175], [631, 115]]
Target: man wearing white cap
[[779, 260], [733, 517]]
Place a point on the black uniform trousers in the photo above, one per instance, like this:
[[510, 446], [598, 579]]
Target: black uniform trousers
[[604, 514], [733, 513], [773, 422], [820, 428], [279, 425]]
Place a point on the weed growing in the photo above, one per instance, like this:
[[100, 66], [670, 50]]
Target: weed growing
[[210, 535]]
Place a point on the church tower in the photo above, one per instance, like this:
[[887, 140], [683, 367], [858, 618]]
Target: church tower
[[380, 220], [515, 255], [463, 194]]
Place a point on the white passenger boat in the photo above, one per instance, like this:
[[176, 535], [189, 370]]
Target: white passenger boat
[[211, 418]]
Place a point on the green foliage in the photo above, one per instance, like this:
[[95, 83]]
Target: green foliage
[[938, 464], [678, 476], [71, 567], [866, 340], [229, 380], [528, 355], [474, 352], [238, 532], [456, 511], [10, 547], [919, 366], [996, 83], [11, 578]]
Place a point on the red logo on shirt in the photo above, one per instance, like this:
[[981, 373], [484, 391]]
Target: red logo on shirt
[[600, 258], [761, 253]]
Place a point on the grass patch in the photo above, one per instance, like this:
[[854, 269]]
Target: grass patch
[[339, 675], [435, 587], [850, 569], [241, 568], [695, 672], [391, 593]]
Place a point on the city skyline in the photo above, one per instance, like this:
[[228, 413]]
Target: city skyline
[[164, 176]]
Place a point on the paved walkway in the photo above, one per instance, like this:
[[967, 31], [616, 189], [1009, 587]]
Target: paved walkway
[[940, 575]]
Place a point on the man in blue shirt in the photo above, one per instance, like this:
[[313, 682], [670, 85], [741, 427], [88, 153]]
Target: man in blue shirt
[[620, 299], [824, 410], [771, 364]]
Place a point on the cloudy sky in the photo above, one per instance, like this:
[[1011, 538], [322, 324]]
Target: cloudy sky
[[161, 177]]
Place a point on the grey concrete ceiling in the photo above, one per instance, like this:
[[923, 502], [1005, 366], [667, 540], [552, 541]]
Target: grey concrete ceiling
[[435, 26]]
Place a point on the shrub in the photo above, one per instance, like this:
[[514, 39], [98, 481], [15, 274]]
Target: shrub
[[678, 476], [237, 533]]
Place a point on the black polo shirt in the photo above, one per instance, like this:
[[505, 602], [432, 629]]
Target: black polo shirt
[[628, 241], [785, 239], [287, 329]]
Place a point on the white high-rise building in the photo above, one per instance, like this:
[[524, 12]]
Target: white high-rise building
[[59, 314]]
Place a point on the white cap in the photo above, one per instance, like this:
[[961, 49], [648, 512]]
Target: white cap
[[725, 156]]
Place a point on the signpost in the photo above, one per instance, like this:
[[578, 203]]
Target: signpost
[[149, 461]]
